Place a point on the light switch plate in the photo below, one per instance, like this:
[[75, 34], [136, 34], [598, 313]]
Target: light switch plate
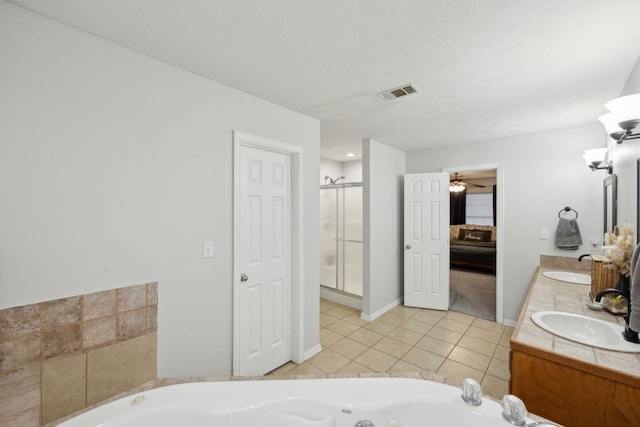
[[544, 233], [207, 249]]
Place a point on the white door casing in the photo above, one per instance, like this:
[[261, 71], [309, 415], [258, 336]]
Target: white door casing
[[267, 274], [426, 240]]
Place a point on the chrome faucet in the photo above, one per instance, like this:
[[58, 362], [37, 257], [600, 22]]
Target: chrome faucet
[[628, 334]]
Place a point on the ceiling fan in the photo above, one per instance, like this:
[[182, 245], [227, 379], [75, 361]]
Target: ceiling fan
[[457, 184]]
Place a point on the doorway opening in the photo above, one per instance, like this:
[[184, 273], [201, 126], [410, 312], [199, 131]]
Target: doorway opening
[[475, 274]]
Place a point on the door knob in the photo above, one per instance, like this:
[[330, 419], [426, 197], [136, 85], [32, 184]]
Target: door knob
[[408, 246], [244, 277]]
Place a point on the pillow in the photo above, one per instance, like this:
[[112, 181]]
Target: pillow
[[475, 235]]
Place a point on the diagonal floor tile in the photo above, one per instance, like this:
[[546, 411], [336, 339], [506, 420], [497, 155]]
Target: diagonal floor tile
[[376, 360]]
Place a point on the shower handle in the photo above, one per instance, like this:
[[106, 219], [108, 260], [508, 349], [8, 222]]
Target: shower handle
[[408, 246]]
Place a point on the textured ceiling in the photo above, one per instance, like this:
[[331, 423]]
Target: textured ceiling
[[485, 68]]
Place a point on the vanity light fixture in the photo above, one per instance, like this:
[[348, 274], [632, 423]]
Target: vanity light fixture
[[623, 117], [596, 159]]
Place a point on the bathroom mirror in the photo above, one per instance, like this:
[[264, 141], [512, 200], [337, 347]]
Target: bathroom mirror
[[610, 202]]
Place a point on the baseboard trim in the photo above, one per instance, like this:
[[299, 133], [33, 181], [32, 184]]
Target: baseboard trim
[[509, 322], [383, 310], [312, 351], [340, 298]]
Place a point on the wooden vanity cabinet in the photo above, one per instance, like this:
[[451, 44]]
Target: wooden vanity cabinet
[[566, 392]]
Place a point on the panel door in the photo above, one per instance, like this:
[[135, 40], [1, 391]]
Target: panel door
[[265, 261], [426, 240]]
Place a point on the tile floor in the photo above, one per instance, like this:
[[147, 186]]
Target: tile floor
[[406, 339]]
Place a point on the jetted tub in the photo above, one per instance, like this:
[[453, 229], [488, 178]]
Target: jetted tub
[[344, 402]]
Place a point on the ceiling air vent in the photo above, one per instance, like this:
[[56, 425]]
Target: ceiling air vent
[[398, 92]]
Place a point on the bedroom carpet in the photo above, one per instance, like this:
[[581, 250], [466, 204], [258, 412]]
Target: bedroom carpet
[[472, 293]]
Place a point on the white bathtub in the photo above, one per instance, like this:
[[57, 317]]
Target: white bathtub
[[386, 402]]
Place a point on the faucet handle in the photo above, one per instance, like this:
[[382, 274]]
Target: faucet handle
[[513, 410], [471, 392]]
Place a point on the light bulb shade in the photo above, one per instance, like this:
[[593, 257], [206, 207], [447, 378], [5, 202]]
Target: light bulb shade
[[595, 157], [610, 122], [625, 108]]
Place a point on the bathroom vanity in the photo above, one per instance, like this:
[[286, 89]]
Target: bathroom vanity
[[565, 381]]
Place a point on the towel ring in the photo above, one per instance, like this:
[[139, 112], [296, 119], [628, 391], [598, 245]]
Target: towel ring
[[568, 209]]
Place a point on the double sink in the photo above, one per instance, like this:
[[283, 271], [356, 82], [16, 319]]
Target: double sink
[[582, 329]]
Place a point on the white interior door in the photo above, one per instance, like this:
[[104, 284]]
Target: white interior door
[[264, 285], [426, 240]]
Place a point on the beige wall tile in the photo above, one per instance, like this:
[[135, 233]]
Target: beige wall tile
[[132, 297], [60, 312], [152, 293], [99, 304], [63, 386], [99, 331], [152, 318], [132, 323], [20, 396], [119, 367], [19, 321], [19, 352], [63, 340], [28, 418]]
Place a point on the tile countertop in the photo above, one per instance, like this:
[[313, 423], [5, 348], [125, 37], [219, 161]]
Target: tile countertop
[[548, 294]]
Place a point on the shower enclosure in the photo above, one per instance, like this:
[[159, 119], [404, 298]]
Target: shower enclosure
[[341, 238]]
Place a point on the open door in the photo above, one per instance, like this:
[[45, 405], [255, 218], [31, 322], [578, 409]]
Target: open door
[[426, 240]]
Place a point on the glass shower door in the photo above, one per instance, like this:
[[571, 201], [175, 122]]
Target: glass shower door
[[341, 238], [352, 240], [328, 236]]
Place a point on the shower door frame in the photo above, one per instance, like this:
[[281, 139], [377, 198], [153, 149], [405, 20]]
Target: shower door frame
[[342, 291]]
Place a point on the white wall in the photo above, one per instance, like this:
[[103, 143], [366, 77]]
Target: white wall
[[115, 167], [383, 170], [330, 168], [352, 170], [543, 172]]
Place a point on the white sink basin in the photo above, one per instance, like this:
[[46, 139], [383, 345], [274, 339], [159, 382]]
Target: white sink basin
[[585, 330], [566, 276]]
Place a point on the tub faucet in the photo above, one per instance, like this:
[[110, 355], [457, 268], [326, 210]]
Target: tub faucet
[[584, 255], [628, 334]]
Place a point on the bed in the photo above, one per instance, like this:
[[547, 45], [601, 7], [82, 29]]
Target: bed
[[473, 246]]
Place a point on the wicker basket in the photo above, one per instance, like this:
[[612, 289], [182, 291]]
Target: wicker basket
[[603, 274]]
